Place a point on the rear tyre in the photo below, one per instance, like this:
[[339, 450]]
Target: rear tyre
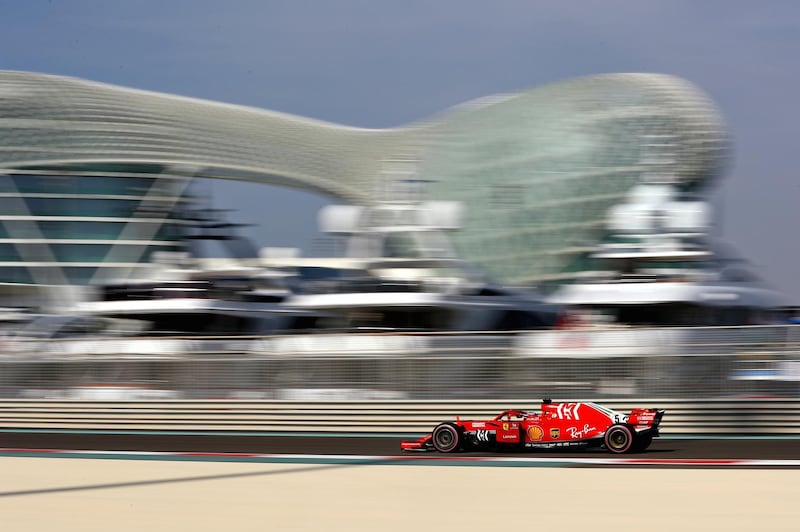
[[619, 439], [446, 438], [642, 442]]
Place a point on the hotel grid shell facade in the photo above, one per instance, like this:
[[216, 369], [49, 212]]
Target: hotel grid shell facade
[[94, 177]]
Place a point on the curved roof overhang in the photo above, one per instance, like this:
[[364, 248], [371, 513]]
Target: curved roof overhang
[[55, 120], [58, 121]]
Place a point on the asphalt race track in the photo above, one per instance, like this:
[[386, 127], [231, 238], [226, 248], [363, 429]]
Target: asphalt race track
[[379, 445], [215, 481]]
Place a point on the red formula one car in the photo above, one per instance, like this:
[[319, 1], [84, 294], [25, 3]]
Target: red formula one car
[[558, 425]]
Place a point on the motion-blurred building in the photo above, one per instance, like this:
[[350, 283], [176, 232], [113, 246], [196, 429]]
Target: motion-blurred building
[[94, 177]]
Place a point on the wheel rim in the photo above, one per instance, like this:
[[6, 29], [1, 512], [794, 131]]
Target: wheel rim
[[444, 438], [618, 439]]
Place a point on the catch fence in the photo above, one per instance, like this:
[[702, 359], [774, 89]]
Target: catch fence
[[596, 364]]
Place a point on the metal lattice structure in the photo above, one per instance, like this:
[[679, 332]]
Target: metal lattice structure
[[536, 170], [581, 363]]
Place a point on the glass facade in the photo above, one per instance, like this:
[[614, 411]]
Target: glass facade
[[72, 226], [92, 175], [538, 171]]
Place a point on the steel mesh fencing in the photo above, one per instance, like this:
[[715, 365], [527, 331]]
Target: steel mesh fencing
[[588, 363]]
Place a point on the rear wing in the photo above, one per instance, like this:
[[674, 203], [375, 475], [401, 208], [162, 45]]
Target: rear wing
[[645, 418]]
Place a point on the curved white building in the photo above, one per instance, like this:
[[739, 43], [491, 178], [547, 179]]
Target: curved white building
[[93, 176]]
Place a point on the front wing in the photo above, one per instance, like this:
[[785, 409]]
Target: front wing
[[420, 444]]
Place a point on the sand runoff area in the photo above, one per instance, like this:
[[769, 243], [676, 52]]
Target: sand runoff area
[[142, 495]]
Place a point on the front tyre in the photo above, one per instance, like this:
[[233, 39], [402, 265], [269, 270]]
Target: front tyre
[[619, 439], [446, 438]]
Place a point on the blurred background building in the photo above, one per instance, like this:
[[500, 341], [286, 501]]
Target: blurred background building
[[95, 177], [594, 190]]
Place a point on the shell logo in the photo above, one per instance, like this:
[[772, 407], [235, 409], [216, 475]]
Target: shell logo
[[535, 433]]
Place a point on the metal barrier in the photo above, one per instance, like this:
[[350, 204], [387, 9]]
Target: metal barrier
[[678, 363], [710, 417], [723, 380]]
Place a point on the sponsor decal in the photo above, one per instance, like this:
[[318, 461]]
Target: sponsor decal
[[577, 433], [555, 445], [478, 424], [505, 426], [568, 411], [535, 433], [484, 435], [509, 436], [554, 434], [646, 419]]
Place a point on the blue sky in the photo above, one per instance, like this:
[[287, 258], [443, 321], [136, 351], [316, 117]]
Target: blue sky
[[374, 63]]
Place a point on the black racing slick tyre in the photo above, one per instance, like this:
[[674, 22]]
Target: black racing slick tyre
[[642, 442], [619, 439], [446, 438]]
